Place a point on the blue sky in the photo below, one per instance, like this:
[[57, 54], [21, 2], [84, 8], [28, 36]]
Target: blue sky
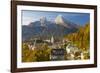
[[32, 16]]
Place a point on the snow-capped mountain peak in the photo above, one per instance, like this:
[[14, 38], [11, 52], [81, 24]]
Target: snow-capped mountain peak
[[59, 19], [43, 21]]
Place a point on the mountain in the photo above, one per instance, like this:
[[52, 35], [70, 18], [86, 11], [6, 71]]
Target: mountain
[[60, 20], [45, 29]]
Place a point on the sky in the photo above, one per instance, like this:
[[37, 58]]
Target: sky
[[29, 16]]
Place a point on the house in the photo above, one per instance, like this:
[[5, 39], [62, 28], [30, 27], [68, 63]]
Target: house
[[71, 48], [32, 46], [73, 52]]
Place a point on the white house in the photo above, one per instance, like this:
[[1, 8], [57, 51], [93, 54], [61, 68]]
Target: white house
[[72, 51], [70, 48], [32, 46]]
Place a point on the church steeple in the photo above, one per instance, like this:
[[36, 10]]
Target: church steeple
[[52, 39]]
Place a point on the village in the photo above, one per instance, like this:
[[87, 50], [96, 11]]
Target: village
[[60, 50]]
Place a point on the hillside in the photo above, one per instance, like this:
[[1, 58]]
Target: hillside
[[81, 38]]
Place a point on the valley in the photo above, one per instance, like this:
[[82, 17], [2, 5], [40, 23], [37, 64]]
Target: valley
[[55, 41]]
